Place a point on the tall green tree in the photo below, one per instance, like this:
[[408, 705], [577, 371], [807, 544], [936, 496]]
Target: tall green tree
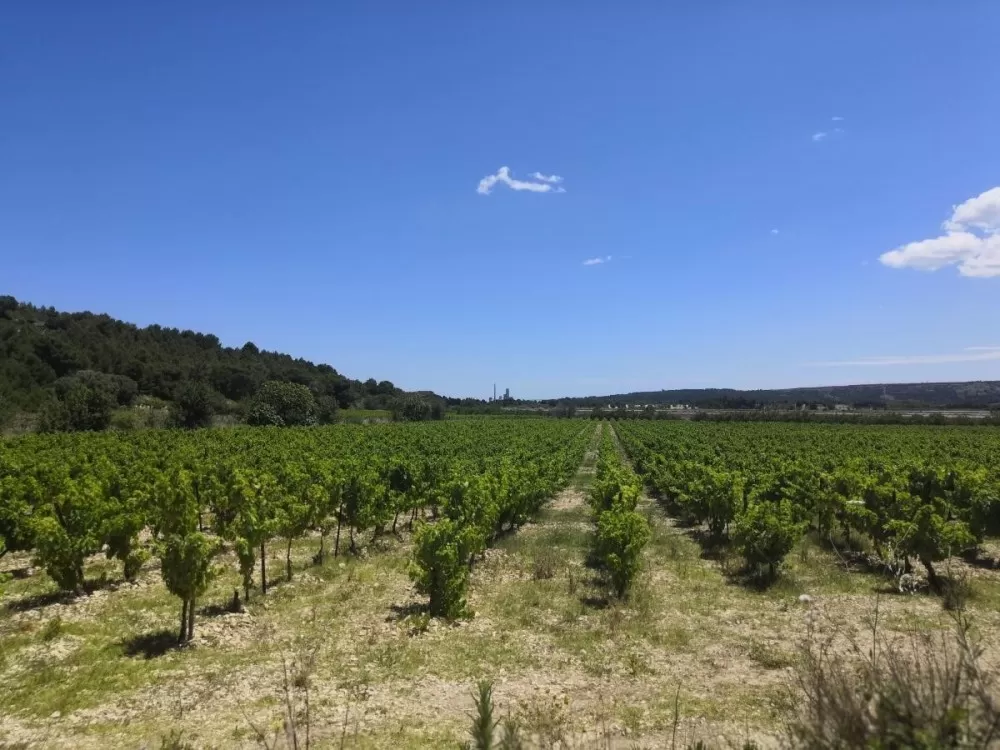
[[193, 405]]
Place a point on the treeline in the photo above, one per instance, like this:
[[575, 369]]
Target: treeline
[[75, 369], [971, 395], [810, 417]]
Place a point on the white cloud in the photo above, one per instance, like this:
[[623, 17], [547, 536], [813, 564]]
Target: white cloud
[[597, 261], [981, 212], [550, 178], [932, 254], [503, 175], [971, 241], [969, 354], [775, 231], [835, 132]]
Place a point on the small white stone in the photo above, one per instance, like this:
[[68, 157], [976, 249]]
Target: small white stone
[[805, 599], [55, 714]]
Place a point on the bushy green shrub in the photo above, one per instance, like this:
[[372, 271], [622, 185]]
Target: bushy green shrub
[[415, 409], [185, 552], [930, 536], [67, 530], [764, 534], [186, 566], [282, 404], [84, 405], [714, 497], [194, 405], [621, 537], [440, 567]]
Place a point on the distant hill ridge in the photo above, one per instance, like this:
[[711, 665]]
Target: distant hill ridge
[[980, 394], [40, 345]]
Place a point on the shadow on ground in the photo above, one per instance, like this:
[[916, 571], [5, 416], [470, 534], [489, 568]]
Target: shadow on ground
[[150, 645]]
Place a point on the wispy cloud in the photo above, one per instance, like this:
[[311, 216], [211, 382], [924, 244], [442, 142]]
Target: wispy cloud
[[969, 354], [544, 184], [971, 241], [775, 231], [597, 261], [553, 178], [822, 135]]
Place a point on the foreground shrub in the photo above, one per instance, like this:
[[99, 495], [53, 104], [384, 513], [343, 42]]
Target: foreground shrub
[[66, 531], [440, 566], [621, 537], [930, 537], [483, 732], [935, 694], [186, 567], [764, 534]]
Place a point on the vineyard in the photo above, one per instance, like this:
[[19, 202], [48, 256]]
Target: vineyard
[[70, 497], [615, 579], [909, 495]]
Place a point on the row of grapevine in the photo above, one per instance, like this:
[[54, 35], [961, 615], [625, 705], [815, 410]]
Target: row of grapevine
[[184, 496], [477, 510], [622, 532], [914, 493]]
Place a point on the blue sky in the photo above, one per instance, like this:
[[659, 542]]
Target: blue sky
[[305, 176]]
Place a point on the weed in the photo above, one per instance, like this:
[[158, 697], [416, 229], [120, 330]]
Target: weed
[[636, 663], [484, 726], [955, 593], [956, 590], [296, 720], [631, 717], [511, 739], [545, 564], [418, 623], [938, 695], [52, 629], [174, 740], [483, 723], [547, 719], [767, 656]]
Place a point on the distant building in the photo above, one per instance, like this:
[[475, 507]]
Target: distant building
[[841, 407]]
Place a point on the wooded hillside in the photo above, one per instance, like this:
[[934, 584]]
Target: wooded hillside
[[39, 346]]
